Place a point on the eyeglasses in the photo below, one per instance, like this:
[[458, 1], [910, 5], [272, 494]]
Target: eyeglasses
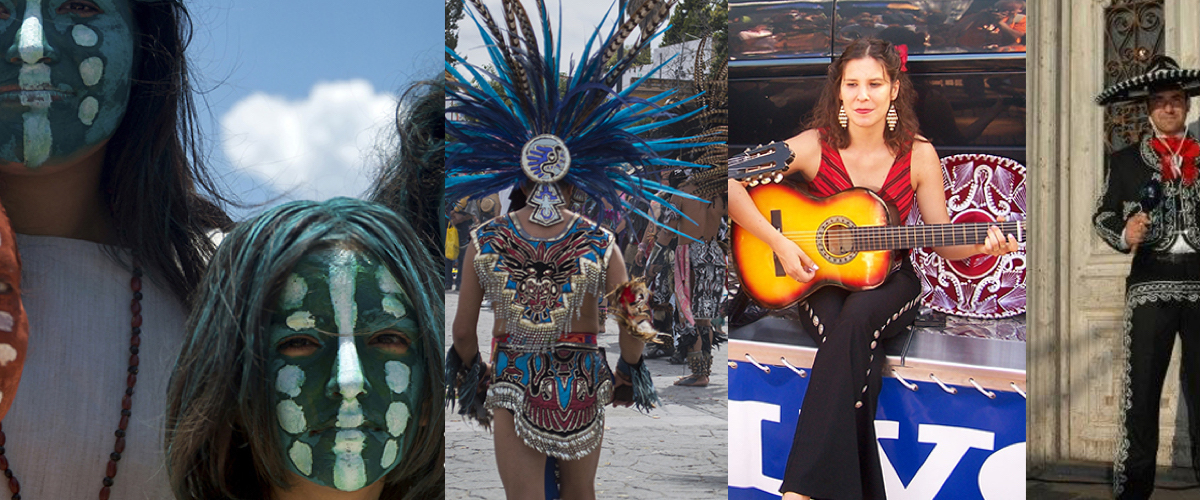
[[1161, 100]]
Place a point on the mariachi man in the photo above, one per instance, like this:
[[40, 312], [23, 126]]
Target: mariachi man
[[1149, 207]]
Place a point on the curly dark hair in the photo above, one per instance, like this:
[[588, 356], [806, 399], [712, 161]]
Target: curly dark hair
[[825, 115]]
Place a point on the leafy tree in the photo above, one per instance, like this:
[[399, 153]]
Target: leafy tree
[[693, 19], [454, 14], [642, 58]]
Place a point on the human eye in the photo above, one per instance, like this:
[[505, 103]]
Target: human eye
[[391, 341], [298, 346], [81, 8]]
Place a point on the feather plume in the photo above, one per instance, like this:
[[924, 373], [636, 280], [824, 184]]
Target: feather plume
[[492, 115]]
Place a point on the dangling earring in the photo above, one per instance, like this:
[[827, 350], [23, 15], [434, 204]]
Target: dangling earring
[[843, 120], [892, 117]]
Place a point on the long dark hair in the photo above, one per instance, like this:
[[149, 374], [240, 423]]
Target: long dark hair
[[412, 179], [221, 425], [162, 199], [825, 115]]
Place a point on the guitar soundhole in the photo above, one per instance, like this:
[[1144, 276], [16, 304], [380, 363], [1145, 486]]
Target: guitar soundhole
[[835, 240]]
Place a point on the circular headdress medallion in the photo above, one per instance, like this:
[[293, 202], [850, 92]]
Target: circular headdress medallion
[[545, 159]]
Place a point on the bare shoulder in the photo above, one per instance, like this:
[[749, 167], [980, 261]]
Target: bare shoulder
[[807, 149], [926, 164]]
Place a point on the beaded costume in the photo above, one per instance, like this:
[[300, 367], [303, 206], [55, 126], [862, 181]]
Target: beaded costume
[[555, 383], [529, 122]]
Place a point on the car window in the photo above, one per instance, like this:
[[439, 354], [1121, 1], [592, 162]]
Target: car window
[[792, 29]]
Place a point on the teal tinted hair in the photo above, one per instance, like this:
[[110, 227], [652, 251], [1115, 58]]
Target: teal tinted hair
[[221, 423]]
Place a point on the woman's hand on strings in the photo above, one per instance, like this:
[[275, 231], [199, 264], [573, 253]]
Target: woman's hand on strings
[[796, 263], [997, 242]]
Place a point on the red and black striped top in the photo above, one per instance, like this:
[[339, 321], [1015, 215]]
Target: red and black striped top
[[832, 178]]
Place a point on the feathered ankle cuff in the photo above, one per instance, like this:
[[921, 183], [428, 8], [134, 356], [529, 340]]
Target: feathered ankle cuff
[[644, 395], [466, 385]]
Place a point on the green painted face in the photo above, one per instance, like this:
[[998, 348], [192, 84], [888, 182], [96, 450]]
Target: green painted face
[[348, 369], [66, 84]]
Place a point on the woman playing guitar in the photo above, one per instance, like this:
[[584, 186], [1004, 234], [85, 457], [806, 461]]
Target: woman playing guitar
[[863, 134]]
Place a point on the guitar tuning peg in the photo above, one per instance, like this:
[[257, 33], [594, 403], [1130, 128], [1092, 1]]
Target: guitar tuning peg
[[778, 177], [753, 182]]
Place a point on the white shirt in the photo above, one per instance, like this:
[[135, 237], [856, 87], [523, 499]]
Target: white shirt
[[60, 430]]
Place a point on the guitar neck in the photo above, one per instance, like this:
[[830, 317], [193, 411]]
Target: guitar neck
[[867, 239]]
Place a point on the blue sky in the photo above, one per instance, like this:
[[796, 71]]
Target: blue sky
[[299, 92]]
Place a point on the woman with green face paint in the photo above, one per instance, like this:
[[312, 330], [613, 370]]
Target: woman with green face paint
[[100, 175], [313, 364]]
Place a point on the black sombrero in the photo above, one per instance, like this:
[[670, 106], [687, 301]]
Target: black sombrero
[[1163, 71]]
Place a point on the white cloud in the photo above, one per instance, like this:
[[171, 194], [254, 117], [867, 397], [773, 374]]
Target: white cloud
[[316, 148]]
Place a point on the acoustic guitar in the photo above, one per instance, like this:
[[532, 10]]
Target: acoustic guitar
[[852, 237]]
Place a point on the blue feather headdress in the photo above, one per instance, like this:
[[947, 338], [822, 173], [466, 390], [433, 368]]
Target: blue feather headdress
[[494, 118]]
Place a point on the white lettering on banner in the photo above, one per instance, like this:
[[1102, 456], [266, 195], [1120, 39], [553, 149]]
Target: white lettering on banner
[[746, 458], [950, 444], [1002, 476]]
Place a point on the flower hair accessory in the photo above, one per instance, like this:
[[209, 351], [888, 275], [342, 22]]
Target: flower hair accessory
[[902, 50]]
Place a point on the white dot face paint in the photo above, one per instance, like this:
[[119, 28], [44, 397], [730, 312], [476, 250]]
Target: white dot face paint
[[91, 69], [83, 35], [291, 417], [397, 376], [293, 292], [289, 379], [7, 354], [389, 454], [394, 306], [387, 282], [301, 455], [37, 138], [301, 320], [88, 109], [397, 418], [360, 381], [349, 471], [6, 322]]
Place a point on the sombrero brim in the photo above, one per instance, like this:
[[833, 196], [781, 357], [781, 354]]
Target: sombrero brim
[[1138, 87]]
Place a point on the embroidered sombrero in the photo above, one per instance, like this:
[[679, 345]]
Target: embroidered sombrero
[[1163, 71]]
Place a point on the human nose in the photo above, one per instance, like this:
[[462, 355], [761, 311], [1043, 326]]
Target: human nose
[[347, 379], [31, 46]]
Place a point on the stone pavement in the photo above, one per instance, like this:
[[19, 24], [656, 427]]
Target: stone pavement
[[679, 450], [1093, 481]]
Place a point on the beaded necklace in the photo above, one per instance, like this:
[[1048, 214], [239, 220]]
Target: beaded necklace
[[135, 340]]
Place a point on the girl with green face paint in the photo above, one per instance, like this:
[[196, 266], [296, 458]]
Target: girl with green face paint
[[313, 364], [66, 84], [100, 178]]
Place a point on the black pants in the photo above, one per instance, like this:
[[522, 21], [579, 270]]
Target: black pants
[[835, 455], [1154, 318]]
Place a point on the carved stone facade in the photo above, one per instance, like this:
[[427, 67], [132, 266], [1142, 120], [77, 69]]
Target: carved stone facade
[[1076, 298]]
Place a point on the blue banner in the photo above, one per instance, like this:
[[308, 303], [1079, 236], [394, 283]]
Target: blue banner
[[935, 445]]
